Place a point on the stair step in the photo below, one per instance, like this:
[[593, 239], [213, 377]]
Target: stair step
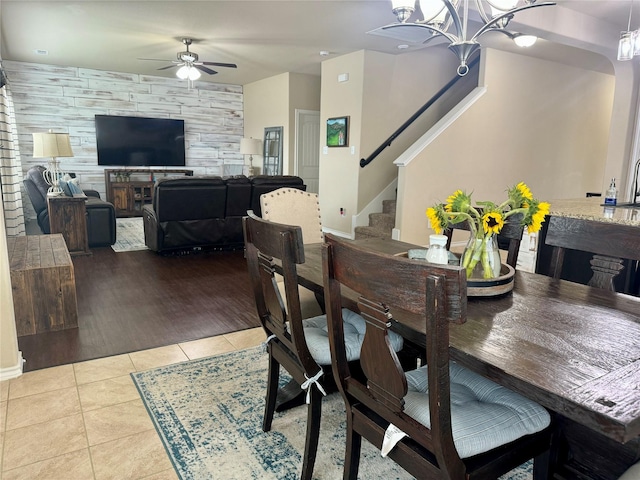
[[382, 221], [389, 206], [370, 232]]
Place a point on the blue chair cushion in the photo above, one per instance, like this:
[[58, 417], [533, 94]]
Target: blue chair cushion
[[484, 415], [317, 335]]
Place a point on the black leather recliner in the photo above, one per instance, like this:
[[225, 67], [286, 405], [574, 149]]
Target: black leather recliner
[[205, 212], [186, 213], [101, 216]]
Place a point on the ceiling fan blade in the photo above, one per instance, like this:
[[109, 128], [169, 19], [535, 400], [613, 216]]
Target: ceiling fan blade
[[216, 64], [164, 68], [205, 69], [156, 59]]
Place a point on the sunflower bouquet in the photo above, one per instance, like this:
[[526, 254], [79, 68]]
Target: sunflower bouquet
[[486, 220]]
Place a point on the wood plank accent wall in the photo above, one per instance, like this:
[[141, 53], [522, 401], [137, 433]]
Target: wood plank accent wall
[[66, 99]]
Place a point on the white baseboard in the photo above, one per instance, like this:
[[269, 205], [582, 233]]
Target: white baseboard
[[13, 371]]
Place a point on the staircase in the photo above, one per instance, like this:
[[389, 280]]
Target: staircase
[[380, 224]]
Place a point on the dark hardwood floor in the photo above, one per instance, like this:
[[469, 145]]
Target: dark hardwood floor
[[137, 300]]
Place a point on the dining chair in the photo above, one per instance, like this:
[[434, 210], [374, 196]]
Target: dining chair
[[292, 206], [300, 346], [441, 420], [609, 249], [509, 237]]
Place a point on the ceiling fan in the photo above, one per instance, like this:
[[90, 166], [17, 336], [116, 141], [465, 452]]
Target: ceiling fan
[[190, 66]]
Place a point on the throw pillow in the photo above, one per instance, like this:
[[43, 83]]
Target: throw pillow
[[74, 186], [64, 186]]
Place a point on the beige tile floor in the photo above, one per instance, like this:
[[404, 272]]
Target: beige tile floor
[[86, 420]]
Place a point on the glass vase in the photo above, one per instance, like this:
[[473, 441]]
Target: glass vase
[[481, 257]]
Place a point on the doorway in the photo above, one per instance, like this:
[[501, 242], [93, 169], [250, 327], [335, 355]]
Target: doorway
[[307, 147]]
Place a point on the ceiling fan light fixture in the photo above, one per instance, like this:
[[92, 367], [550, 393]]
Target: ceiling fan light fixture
[[183, 72], [194, 74]]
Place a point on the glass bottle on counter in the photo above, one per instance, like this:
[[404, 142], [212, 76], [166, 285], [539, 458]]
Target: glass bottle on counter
[[437, 252], [610, 198]]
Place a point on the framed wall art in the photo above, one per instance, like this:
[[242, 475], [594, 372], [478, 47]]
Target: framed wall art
[[338, 132]]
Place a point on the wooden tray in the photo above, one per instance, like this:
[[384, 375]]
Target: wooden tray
[[479, 287]]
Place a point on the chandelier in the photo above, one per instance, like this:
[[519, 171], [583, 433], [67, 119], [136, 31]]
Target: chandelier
[[450, 19]]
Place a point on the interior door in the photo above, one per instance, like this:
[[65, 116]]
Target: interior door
[[307, 165]]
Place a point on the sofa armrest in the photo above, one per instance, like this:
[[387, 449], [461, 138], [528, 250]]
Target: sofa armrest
[[91, 193], [151, 228]]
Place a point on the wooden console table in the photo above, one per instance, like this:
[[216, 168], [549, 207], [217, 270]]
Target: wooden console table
[[128, 195], [43, 284], [68, 216]]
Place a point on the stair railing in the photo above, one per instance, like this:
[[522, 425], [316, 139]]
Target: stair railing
[[366, 161]]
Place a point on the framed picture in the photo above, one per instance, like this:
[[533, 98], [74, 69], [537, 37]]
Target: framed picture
[[338, 132]]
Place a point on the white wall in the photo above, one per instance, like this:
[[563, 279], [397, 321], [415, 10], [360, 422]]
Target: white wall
[[66, 99], [540, 122]]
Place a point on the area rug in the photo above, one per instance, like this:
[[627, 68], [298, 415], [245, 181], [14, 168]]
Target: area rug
[[129, 235], [208, 413]]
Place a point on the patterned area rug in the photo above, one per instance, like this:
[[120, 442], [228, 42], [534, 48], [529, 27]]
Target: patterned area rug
[[208, 413], [129, 235]]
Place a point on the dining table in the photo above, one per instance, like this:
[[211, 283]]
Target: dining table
[[572, 348]]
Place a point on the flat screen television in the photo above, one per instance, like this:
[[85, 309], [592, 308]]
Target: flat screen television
[[139, 141]]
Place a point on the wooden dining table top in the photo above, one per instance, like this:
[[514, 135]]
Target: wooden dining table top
[[572, 348]]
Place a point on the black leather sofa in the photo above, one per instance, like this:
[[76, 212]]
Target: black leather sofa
[[101, 216], [205, 212]]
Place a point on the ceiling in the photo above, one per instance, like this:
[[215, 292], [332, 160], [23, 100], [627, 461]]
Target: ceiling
[[263, 37]]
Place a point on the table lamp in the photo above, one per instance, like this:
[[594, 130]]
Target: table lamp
[[52, 145], [251, 147]]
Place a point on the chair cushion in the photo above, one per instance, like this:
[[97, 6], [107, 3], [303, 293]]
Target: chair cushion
[[317, 335], [484, 415]]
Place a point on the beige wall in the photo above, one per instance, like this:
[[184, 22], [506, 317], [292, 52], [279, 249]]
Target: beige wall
[[383, 91], [266, 105], [540, 122], [272, 103]]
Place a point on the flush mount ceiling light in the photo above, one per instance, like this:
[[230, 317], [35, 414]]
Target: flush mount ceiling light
[[450, 18]]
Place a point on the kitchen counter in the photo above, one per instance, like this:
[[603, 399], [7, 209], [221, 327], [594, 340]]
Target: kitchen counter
[[591, 209]]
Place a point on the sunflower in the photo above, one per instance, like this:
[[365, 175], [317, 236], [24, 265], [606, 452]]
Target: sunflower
[[437, 218], [492, 222], [536, 214], [520, 196], [458, 202]]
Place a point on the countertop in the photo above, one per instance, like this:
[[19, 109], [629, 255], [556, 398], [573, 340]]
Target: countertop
[[591, 209]]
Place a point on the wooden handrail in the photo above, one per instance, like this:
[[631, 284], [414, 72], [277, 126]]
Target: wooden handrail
[[366, 161]]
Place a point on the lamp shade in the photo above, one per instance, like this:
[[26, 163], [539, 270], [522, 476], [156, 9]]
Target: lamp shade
[[51, 145], [250, 146]]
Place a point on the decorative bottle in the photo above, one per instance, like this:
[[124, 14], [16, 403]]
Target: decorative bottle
[[437, 252], [611, 196]]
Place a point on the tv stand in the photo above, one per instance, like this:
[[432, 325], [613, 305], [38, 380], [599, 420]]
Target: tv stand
[[129, 189]]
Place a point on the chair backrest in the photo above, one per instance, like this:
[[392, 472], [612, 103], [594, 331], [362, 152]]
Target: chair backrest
[[36, 187], [291, 206], [266, 242], [190, 198], [387, 286], [510, 236], [261, 184], [593, 237]]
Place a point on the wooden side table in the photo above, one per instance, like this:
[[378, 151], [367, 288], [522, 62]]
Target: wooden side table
[[43, 284], [68, 216]]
